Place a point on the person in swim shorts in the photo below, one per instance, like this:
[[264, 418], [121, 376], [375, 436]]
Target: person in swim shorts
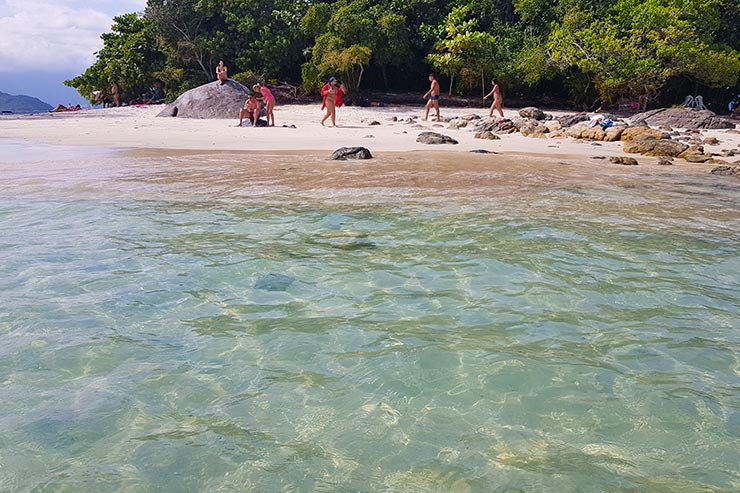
[[433, 95]]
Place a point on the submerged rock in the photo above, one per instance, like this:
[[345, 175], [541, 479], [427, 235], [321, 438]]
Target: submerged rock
[[727, 171], [625, 161], [344, 153], [435, 138], [274, 282], [212, 100]]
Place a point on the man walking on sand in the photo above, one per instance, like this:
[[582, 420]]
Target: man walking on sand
[[433, 95]]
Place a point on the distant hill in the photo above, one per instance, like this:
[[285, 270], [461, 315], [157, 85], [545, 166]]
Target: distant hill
[[21, 104]]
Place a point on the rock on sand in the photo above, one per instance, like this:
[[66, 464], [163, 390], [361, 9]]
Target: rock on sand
[[211, 100]]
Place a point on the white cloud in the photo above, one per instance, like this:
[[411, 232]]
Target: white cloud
[[55, 35]]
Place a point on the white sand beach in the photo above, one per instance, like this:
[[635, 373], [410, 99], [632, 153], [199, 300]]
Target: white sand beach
[[140, 128]]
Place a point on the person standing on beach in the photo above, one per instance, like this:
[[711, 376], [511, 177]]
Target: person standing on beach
[[222, 72], [269, 99], [498, 101], [433, 95], [332, 93], [115, 92]]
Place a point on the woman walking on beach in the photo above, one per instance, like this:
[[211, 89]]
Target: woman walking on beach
[[498, 102], [332, 93], [269, 99]]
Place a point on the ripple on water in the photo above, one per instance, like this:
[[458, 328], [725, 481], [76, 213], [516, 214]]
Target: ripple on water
[[162, 334]]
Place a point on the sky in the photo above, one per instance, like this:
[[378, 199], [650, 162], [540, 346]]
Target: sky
[[45, 42]]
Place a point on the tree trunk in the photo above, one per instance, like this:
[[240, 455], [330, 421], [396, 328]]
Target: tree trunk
[[384, 73], [359, 78], [452, 80]]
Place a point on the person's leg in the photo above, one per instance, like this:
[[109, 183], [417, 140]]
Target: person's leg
[[436, 109], [255, 117], [334, 116], [242, 113], [270, 114], [499, 107], [428, 105]]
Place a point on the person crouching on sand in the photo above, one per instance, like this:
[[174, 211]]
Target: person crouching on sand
[[498, 101], [251, 110], [269, 99], [433, 95], [332, 93]]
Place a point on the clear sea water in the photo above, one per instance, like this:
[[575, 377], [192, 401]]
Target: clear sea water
[[177, 323]]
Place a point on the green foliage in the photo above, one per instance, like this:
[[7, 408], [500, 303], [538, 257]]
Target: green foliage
[[639, 44], [464, 48], [595, 51], [129, 57], [349, 36]]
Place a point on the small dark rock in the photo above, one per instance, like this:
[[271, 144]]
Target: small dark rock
[[625, 161], [344, 153], [435, 138]]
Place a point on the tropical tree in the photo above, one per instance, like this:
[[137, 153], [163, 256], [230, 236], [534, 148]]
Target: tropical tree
[[129, 57], [639, 44], [463, 47]]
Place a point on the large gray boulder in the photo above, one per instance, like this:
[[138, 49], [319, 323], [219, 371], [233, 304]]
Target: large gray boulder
[[682, 118], [212, 100]]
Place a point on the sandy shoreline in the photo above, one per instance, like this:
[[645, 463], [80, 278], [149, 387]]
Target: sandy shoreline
[[139, 128]]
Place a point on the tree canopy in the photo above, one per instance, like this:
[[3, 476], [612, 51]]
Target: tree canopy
[[591, 52]]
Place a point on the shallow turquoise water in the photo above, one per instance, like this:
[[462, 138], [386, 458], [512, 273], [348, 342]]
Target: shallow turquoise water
[[175, 335]]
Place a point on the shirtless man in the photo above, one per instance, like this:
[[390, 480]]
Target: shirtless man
[[498, 101], [251, 110], [222, 72], [433, 95]]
